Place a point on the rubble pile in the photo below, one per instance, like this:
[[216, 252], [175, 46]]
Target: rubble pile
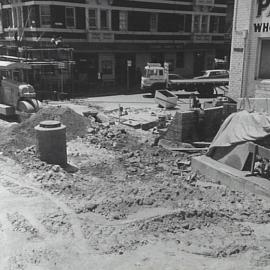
[[23, 135]]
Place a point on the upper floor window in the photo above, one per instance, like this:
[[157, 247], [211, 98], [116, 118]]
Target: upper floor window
[[70, 17], [104, 19], [217, 24], [45, 16], [196, 23], [200, 23], [204, 24], [153, 22], [184, 23], [14, 17], [123, 21], [92, 18]]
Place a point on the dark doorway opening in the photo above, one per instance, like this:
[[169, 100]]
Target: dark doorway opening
[[122, 71], [86, 70], [199, 62]]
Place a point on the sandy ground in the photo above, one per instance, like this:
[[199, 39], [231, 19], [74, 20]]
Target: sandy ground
[[40, 231], [123, 203]]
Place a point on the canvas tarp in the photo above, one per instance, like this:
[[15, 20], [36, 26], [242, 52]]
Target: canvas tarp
[[241, 127]]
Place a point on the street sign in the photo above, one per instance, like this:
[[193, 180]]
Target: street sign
[[129, 63]]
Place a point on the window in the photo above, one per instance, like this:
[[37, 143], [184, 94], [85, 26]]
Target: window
[[45, 16], [19, 13], [104, 21], [200, 24], [196, 24], [204, 24], [14, 15], [217, 24], [264, 71], [123, 19], [153, 22], [70, 17], [92, 18], [214, 23]]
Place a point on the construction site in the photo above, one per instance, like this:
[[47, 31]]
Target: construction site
[[139, 187], [172, 177]]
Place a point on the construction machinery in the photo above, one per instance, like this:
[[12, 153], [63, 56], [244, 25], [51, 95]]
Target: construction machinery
[[16, 95]]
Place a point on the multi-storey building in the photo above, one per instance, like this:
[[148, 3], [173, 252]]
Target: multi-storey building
[[106, 34]]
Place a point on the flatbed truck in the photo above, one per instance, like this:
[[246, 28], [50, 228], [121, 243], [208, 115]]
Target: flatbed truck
[[156, 78]]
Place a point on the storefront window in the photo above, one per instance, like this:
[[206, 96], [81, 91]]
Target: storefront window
[[264, 71]]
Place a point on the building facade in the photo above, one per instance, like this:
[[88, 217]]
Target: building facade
[[108, 34], [250, 53]]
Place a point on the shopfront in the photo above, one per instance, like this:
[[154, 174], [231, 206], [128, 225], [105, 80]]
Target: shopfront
[[250, 53]]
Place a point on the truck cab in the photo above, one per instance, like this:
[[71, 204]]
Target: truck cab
[[154, 77], [14, 93]]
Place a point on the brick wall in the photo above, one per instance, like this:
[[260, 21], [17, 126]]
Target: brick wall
[[187, 127]]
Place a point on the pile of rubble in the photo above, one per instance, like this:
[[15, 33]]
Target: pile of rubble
[[19, 136]]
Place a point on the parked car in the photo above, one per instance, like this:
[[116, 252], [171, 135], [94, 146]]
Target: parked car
[[213, 74]]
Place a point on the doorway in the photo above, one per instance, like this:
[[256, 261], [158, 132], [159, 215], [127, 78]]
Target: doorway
[[121, 60], [199, 62]]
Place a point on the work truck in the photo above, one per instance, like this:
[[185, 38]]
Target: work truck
[[157, 77], [16, 95]]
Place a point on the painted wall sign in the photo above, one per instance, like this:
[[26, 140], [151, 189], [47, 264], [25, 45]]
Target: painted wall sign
[[261, 27], [262, 5]]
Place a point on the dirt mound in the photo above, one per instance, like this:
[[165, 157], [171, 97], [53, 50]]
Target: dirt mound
[[23, 135]]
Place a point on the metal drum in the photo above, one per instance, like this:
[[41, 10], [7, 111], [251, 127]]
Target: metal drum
[[51, 142]]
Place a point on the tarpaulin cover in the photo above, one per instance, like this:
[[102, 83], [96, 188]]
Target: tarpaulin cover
[[240, 127]]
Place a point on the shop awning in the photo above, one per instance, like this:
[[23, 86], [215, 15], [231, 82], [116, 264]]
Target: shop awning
[[8, 65]]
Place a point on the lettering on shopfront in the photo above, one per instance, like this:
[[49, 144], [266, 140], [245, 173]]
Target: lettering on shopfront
[[261, 27]]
